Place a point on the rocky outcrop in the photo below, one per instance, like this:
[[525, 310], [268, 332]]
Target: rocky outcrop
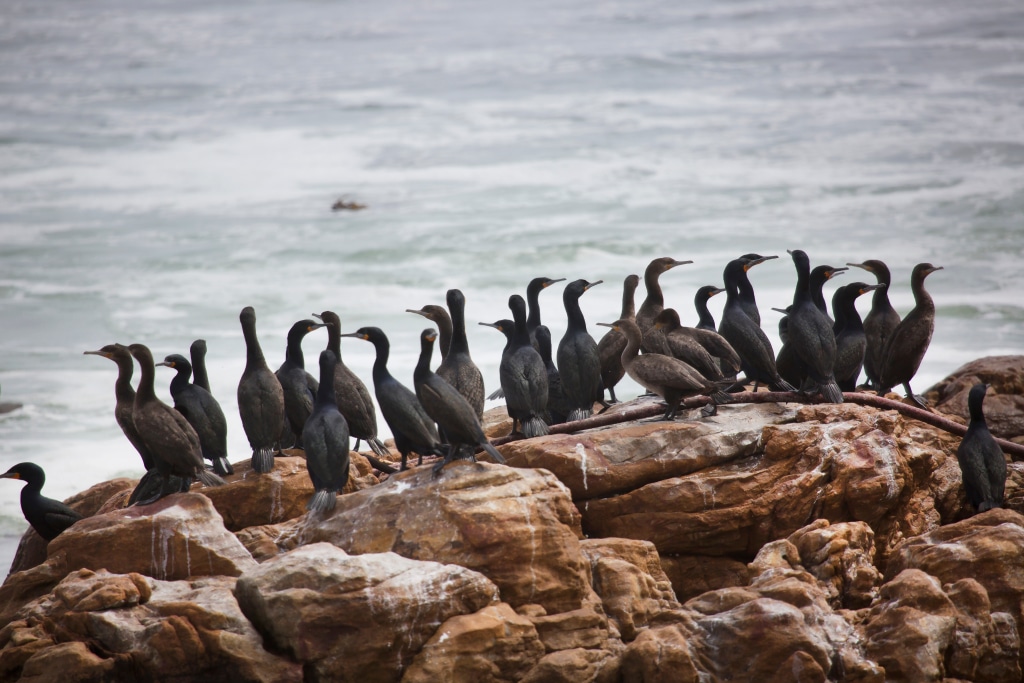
[[356, 617], [1004, 404], [127, 627]]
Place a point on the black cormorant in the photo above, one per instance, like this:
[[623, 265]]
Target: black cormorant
[[47, 516], [197, 352], [880, 321], [851, 342], [610, 346], [745, 290], [299, 386], [811, 340], [325, 440], [455, 417], [533, 290], [655, 300], [260, 399], [202, 411], [412, 428], [908, 343], [982, 464], [354, 400], [670, 378], [579, 364], [166, 433], [705, 321], [745, 336], [523, 376], [458, 368], [558, 404], [439, 316]]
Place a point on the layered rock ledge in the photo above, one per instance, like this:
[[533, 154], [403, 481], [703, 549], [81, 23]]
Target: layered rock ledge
[[772, 542]]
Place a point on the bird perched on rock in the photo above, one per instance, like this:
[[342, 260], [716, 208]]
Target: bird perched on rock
[[668, 377], [47, 516], [982, 463], [810, 337], [325, 440], [908, 343], [260, 399], [202, 411], [453, 414], [851, 342], [579, 364], [666, 337], [655, 299], [458, 368], [412, 428], [298, 385], [881, 320], [166, 433], [610, 346]]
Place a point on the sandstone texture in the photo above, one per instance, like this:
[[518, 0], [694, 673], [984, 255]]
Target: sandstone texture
[[772, 542]]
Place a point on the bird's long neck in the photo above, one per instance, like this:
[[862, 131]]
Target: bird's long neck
[[380, 363], [705, 319], [459, 343], [745, 289], [803, 276], [199, 376], [147, 376], [334, 338], [628, 302], [654, 294], [253, 352], [533, 303], [633, 339], [577, 322], [293, 352], [880, 299], [422, 370], [123, 390], [325, 391], [180, 380], [974, 404], [922, 299]]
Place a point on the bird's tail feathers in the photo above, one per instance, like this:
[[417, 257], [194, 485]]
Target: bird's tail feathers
[[322, 501], [577, 414], [263, 460], [378, 447], [831, 391], [222, 467], [493, 452], [534, 426], [210, 479], [380, 465], [782, 385]]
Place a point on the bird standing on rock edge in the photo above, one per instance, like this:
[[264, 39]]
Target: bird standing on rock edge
[[579, 364], [908, 343], [326, 440], [982, 463], [47, 516], [202, 411], [260, 399]]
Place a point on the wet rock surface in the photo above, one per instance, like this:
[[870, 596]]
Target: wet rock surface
[[771, 543]]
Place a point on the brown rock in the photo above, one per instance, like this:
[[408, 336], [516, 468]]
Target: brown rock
[[1004, 406], [572, 666], [32, 548], [581, 628], [692, 575], [489, 646], [628, 577], [177, 537], [518, 527], [840, 556], [356, 618], [661, 655], [25, 586], [252, 499], [129, 627]]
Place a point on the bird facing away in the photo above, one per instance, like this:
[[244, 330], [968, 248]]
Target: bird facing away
[[260, 399], [705, 321], [325, 437], [668, 377], [745, 335], [579, 364], [202, 411], [47, 516], [810, 338], [908, 343], [610, 346], [982, 463], [353, 398], [197, 352], [166, 433], [851, 342], [455, 417], [524, 378], [533, 290], [655, 299], [440, 317], [412, 428], [298, 385], [458, 368], [880, 321]]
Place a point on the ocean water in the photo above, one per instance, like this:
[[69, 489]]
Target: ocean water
[[164, 164]]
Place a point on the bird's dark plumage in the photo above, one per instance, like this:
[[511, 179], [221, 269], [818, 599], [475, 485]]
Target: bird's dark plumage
[[579, 364], [745, 290], [558, 404], [533, 290], [705, 321], [202, 411], [47, 516], [298, 385], [655, 299], [524, 378], [908, 343], [745, 335], [440, 317], [880, 321], [166, 433], [353, 397], [197, 352], [453, 414], [412, 428], [670, 378], [458, 368], [124, 397], [982, 463], [851, 343], [260, 399], [810, 338], [666, 337], [325, 440], [610, 346]]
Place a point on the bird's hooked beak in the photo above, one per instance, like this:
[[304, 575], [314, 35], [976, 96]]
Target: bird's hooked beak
[[166, 364], [10, 475], [761, 260], [611, 325], [934, 268], [430, 337], [494, 325], [783, 311], [592, 284], [413, 310], [870, 288], [716, 290], [551, 282], [672, 265], [364, 337], [97, 353], [836, 271], [315, 326], [862, 265]]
